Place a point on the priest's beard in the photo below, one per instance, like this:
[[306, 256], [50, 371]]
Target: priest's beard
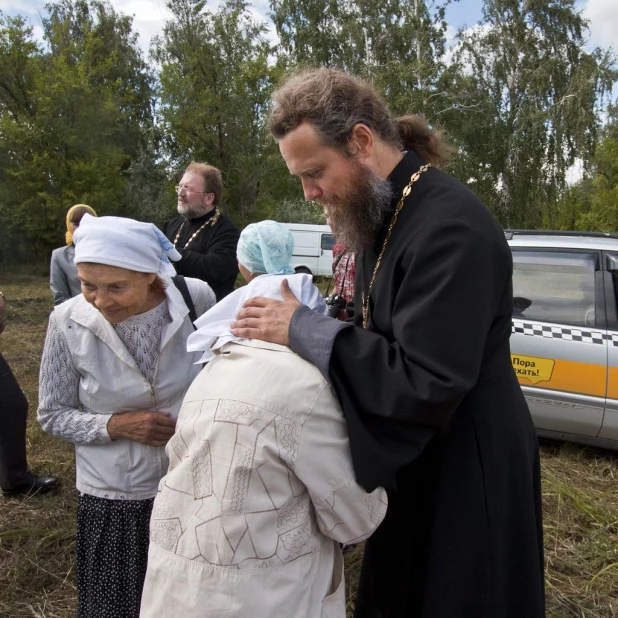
[[357, 213]]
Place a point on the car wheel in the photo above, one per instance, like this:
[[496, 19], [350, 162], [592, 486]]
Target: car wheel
[[302, 269]]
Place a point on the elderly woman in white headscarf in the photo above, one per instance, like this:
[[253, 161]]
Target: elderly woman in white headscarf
[[113, 374], [260, 488]]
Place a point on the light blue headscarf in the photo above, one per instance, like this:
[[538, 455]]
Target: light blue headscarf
[[266, 247]]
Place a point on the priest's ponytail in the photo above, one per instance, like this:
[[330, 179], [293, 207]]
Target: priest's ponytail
[[429, 144]]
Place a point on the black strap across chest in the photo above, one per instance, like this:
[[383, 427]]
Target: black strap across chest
[[181, 284]]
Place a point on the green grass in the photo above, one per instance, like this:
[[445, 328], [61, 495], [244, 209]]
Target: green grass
[[37, 535]]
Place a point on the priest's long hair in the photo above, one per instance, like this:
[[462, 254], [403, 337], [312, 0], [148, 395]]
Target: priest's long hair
[[333, 102]]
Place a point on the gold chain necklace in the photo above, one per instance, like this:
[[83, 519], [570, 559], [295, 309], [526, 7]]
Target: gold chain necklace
[[210, 221], [404, 194]]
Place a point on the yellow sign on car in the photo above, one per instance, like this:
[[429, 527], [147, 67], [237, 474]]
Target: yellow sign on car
[[533, 368]]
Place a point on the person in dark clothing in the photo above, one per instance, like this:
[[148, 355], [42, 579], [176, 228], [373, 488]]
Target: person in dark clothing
[[432, 406], [205, 238], [15, 477]]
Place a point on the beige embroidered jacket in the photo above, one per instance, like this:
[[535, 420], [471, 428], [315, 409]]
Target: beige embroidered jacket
[[259, 492]]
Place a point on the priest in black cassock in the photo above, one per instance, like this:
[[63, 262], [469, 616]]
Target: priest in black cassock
[[205, 238], [433, 409]]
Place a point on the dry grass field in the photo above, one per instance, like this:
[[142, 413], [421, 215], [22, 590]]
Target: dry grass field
[[37, 535]]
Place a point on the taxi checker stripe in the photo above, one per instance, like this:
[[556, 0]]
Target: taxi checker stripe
[[561, 332]]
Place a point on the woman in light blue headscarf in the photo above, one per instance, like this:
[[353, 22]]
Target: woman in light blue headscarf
[[264, 253]]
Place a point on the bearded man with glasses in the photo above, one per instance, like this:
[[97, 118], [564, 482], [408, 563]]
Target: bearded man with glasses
[[205, 238]]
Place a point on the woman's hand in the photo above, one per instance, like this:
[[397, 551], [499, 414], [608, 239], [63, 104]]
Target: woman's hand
[[144, 426]]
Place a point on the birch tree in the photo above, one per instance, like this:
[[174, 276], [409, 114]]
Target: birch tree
[[542, 95]]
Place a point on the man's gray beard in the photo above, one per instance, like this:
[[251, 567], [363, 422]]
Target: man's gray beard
[[357, 216], [190, 213]]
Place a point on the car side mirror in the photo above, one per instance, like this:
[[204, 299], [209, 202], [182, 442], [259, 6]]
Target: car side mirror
[[521, 303]]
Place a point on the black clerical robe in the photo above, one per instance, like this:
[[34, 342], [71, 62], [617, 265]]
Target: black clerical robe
[[211, 255], [435, 414]]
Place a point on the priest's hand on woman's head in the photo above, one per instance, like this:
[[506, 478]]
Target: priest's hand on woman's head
[[267, 319]]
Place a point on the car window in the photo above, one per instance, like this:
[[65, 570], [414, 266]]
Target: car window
[[612, 266], [554, 287], [328, 242]]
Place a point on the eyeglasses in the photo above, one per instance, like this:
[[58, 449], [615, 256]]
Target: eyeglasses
[[187, 190]]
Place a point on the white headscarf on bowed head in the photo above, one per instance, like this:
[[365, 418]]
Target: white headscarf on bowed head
[[213, 328], [266, 247], [124, 243]]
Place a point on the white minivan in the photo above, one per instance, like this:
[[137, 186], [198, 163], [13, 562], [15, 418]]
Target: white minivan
[[313, 248]]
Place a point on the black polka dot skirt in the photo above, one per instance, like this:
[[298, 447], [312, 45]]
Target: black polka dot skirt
[[112, 551]]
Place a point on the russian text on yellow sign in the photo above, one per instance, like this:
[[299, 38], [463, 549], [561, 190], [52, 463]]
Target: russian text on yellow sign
[[532, 368], [574, 377]]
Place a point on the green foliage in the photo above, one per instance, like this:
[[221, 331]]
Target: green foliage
[[150, 190], [592, 204], [519, 96], [296, 211], [215, 81], [603, 213], [539, 94], [398, 46], [70, 120], [84, 119]]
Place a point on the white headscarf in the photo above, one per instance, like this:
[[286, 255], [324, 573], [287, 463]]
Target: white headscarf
[[213, 328], [124, 243]]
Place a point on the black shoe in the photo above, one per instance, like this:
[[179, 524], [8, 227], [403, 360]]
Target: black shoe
[[32, 484]]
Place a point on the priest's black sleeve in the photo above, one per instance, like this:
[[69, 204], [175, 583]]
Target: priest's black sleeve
[[398, 391]]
